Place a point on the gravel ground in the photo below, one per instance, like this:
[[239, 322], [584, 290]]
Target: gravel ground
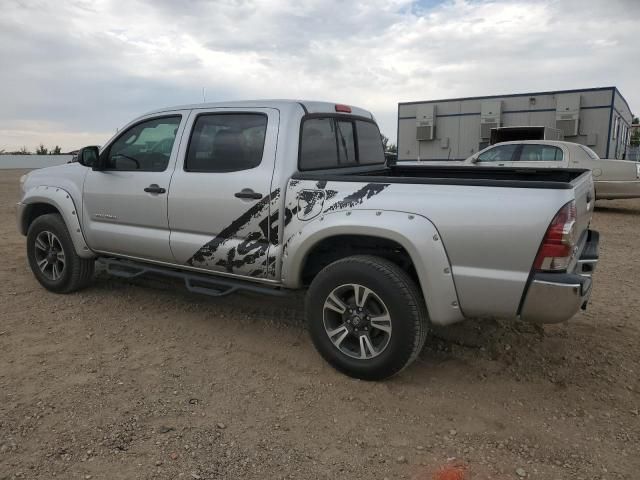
[[143, 380]]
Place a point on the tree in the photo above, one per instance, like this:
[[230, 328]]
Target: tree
[[388, 147], [42, 150], [56, 150], [635, 120], [24, 151], [635, 138]]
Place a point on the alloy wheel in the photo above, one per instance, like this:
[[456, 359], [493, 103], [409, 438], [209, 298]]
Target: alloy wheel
[[49, 255], [357, 321]]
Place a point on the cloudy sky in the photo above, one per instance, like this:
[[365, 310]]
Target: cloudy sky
[[71, 72]]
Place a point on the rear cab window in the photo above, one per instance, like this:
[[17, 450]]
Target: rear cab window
[[330, 141]]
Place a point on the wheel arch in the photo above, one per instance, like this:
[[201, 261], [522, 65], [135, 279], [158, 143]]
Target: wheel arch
[[44, 200], [410, 234]]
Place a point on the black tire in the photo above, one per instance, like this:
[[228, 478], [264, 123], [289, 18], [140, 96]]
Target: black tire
[[401, 298], [76, 273]]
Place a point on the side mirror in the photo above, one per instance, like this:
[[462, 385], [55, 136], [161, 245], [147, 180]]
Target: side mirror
[[88, 156], [474, 159]]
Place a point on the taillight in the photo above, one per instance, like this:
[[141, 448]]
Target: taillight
[[559, 241], [343, 108]]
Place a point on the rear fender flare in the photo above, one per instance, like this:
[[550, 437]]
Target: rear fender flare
[[415, 233]]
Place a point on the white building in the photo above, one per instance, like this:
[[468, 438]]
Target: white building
[[454, 129]]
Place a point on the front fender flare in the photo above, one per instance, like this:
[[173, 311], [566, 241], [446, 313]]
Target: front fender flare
[[415, 233], [60, 199]]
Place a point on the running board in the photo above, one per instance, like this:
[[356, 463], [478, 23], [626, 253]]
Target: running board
[[196, 283]]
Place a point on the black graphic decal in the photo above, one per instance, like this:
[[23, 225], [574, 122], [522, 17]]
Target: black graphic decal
[[329, 194], [289, 213], [358, 197], [254, 240], [208, 250], [310, 197], [269, 227], [321, 184]]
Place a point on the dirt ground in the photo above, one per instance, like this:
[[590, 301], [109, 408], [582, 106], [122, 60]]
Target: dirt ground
[[142, 380]]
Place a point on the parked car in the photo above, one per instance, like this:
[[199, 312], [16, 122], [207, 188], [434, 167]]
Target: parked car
[[612, 178], [273, 196]]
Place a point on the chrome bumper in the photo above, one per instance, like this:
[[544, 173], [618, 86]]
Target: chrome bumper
[[556, 297]]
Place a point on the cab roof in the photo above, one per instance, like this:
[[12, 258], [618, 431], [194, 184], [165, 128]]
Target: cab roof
[[308, 106]]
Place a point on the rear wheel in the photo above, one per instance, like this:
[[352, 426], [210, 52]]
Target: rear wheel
[[366, 317], [52, 256]]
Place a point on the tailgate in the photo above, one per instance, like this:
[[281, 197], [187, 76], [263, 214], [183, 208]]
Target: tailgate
[[585, 198]]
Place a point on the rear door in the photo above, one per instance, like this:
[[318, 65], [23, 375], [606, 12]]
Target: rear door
[[220, 196]]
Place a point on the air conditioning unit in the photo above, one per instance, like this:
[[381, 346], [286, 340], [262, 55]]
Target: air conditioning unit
[[490, 116], [568, 114], [425, 122]]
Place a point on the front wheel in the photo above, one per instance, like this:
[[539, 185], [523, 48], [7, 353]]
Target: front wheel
[[52, 257], [366, 317]]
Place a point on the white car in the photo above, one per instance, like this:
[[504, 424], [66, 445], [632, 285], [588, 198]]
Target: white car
[[612, 178]]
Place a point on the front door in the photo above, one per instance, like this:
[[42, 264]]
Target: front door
[[221, 196], [125, 203]]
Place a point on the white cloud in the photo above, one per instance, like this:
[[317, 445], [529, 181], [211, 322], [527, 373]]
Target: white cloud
[[79, 69]]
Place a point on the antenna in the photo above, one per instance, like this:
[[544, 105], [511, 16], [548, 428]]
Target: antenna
[[204, 95]]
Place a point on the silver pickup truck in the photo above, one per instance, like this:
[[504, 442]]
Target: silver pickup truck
[[270, 196]]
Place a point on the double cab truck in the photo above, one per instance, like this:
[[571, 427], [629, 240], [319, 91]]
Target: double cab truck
[[273, 196]]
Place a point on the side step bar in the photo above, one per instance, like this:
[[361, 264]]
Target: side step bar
[[194, 282]]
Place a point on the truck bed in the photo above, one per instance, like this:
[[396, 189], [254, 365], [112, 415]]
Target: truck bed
[[490, 220], [544, 178]]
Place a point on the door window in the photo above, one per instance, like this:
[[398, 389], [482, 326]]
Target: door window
[[145, 147], [501, 153], [540, 153], [226, 142]]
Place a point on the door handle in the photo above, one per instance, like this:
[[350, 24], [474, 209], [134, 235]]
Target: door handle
[[155, 188], [248, 194]]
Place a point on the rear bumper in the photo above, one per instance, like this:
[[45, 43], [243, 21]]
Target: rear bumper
[[556, 297]]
